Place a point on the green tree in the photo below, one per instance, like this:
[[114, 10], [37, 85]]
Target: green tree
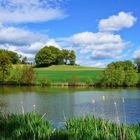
[[22, 74], [14, 57], [72, 57], [137, 62], [24, 60], [5, 65], [56, 52], [44, 57], [120, 73], [50, 55], [65, 53]]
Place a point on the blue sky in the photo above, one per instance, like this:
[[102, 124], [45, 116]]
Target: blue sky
[[99, 31]]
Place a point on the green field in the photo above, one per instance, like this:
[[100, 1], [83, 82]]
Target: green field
[[61, 73]]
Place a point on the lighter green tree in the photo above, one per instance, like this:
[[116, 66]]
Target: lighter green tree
[[5, 65]]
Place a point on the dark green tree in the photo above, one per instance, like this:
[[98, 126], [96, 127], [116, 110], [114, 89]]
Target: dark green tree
[[65, 53], [24, 60], [56, 52], [5, 65], [50, 55], [44, 57], [72, 57], [137, 62], [14, 57]]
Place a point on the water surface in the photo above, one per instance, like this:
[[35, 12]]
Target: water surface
[[73, 102]]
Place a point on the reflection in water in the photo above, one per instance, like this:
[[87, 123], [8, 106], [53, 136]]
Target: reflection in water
[[119, 105]]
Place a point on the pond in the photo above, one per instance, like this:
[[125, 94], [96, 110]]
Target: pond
[[121, 105]]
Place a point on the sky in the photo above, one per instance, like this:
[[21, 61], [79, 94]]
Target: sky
[[99, 31]]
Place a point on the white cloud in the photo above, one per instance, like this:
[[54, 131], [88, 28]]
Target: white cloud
[[117, 22], [136, 53], [98, 45], [24, 42], [52, 42], [22, 11], [18, 36]]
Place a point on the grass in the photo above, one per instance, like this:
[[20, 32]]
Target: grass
[[62, 73], [33, 126]]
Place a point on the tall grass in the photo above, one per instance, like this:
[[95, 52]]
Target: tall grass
[[32, 126]]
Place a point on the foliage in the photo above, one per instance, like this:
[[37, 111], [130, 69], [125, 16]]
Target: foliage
[[137, 62], [72, 57], [22, 74], [24, 60], [50, 55], [121, 73], [28, 126], [14, 57], [5, 64], [74, 80], [33, 126]]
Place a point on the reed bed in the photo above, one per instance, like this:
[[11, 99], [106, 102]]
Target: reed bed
[[32, 126]]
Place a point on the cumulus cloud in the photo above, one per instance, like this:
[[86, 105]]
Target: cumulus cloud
[[117, 22], [98, 45], [136, 53], [17, 36], [22, 41], [22, 11]]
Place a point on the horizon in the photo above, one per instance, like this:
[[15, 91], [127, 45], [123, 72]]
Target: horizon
[[99, 32]]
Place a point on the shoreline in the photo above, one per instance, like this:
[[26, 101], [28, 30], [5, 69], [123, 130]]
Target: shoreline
[[67, 84]]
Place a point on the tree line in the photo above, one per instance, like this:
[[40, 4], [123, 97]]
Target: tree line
[[50, 55]]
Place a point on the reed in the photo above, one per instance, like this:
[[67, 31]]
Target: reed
[[33, 127]]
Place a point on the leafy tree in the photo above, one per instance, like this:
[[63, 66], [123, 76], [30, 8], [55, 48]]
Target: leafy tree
[[14, 57], [24, 60], [5, 64], [44, 57], [56, 52], [22, 74], [137, 62], [50, 55], [119, 74], [72, 57], [65, 53]]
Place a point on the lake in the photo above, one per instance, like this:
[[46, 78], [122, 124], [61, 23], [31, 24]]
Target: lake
[[121, 105]]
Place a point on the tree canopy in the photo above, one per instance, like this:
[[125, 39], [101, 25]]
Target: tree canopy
[[4, 66], [50, 55], [137, 62], [120, 73], [14, 57]]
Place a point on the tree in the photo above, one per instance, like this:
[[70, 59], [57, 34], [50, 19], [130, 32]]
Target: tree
[[14, 57], [120, 73], [50, 55], [44, 57], [72, 57], [5, 64], [24, 60], [137, 62], [56, 52], [65, 53]]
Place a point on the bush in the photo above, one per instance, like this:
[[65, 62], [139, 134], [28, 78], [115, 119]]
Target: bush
[[74, 80], [121, 73], [22, 75]]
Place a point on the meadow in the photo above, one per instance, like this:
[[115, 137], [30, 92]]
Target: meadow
[[66, 73]]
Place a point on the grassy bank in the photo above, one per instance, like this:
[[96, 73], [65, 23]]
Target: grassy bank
[[32, 126]]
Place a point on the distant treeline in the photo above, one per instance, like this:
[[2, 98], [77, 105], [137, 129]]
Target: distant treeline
[[121, 73]]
